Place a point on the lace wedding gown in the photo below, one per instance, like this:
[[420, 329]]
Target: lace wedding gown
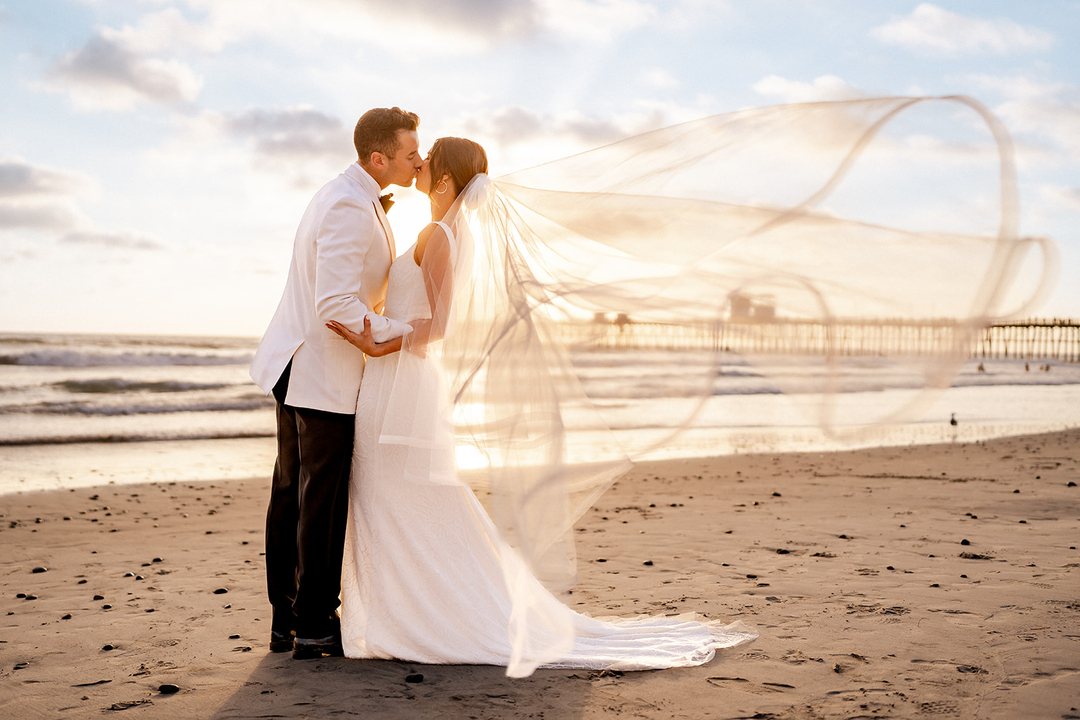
[[426, 577]]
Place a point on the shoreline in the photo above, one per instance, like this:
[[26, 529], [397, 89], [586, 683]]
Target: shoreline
[[49, 467], [848, 563]]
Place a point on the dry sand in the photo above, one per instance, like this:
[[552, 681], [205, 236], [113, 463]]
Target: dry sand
[[896, 582]]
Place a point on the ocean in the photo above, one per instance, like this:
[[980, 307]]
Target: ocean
[[79, 410]]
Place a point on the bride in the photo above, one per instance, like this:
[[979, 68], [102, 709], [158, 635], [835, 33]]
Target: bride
[[427, 577], [739, 228]]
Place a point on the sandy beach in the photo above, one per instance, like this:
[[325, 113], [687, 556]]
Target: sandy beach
[[918, 581]]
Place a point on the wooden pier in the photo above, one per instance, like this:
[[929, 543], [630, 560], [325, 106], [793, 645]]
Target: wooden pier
[[1023, 340], [1031, 340]]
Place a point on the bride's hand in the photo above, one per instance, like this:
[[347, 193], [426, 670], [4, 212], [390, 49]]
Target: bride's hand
[[364, 341], [418, 338]]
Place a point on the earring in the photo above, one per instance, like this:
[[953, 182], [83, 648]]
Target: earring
[[442, 185]]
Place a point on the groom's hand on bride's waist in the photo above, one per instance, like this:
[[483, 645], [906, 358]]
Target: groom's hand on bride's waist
[[364, 341]]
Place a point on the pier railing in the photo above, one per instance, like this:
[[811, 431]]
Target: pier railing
[[1025, 340]]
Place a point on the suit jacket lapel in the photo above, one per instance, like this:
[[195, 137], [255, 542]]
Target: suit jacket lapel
[[386, 229]]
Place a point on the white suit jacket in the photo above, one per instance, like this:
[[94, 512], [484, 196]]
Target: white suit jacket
[[341, 258]]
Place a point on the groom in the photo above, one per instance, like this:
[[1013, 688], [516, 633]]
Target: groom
[[341, 258]]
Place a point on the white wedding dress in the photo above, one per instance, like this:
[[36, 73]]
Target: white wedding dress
[[426, 577], [680, 226]]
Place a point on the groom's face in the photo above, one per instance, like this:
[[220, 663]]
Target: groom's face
[[406, 163]]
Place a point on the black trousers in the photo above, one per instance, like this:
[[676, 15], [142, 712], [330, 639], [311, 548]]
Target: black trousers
[[305, 522]]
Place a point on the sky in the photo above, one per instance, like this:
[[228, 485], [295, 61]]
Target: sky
[[156, 155]]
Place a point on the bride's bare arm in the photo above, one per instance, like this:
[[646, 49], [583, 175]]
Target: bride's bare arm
[[433, 256], [364, 341]]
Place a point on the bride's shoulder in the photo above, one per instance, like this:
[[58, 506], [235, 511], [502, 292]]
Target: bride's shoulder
[[427, 232], [435, 230]]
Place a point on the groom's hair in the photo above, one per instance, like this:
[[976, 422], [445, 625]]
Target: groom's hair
[[377, 129]]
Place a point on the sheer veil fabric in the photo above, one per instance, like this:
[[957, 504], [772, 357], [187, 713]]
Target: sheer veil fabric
[[831, 214]]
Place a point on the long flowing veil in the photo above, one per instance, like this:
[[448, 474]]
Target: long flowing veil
[[794, 230]]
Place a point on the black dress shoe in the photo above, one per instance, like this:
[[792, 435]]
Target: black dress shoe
[[280, 641], [308, 648]]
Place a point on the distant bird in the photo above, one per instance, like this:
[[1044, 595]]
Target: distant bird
[[952, 420]]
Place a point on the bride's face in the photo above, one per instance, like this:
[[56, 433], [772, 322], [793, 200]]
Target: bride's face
[[423, 178]]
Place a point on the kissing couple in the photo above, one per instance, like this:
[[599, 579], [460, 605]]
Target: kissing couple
[[375, 545]]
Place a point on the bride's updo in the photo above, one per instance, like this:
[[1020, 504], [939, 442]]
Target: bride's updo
[[459, 158]]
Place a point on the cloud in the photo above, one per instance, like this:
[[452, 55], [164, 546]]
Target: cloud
[[1067, 198], [1038, 113], [19, 178], [515, 126], [168, 29], [118, 240], [508, 126], [495, 20], [107, 74], [50, 216], [660, 78], [404, 27], [37, 197], [934, 29], [595, 20], [293, 133], [689, 15], [1019, 87], [1052, 120], [517, 137], [297, 145], [483, 22], [825, 87]]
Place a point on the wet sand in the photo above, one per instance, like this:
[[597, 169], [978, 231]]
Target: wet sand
[[940, 580]]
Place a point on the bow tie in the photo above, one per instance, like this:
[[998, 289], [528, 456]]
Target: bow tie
[[386, 202]]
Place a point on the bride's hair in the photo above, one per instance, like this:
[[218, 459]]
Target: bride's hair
[[460, 158]]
